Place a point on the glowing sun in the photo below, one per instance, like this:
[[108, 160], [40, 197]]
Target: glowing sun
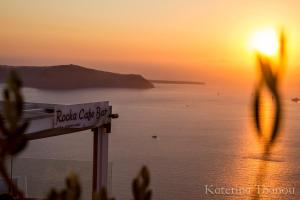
[[265, 41]]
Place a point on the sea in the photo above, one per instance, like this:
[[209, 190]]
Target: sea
[[206, 146]]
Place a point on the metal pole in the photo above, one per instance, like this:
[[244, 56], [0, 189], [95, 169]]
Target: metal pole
[[100, 159], [11, 172]]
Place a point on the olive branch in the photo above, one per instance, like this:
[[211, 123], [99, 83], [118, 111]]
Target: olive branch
[[270, 77], [12, 128]]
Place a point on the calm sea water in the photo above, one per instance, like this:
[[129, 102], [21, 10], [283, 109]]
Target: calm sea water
[[205, 140]]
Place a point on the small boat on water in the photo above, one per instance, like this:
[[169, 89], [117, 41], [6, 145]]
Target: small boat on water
[[296, 99], [154, 136]]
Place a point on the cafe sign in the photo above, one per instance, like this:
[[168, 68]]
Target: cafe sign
[[81, 115]]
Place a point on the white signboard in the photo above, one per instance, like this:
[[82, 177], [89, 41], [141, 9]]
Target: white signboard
[[81, 115]]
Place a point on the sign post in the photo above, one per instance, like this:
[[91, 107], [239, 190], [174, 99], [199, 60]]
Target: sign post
[[48, 120], [100, 158], [89, 115]]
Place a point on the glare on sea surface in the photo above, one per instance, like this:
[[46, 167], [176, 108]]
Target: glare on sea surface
[[265, 41]]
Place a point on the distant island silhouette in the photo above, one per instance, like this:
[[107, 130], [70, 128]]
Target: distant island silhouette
[[65, 77], [177, 82]]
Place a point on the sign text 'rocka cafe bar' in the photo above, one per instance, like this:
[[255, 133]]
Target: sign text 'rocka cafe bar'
[[81, 115]]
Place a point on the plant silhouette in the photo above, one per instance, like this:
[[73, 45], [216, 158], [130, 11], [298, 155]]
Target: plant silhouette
[[269, 79]]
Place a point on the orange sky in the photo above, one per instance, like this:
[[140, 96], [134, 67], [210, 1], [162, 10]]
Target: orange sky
[[161, 39]]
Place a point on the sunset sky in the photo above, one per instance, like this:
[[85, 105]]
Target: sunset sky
[[161, 39]]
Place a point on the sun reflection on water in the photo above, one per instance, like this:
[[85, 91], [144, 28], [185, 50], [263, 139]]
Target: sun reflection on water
[[262, 172]]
